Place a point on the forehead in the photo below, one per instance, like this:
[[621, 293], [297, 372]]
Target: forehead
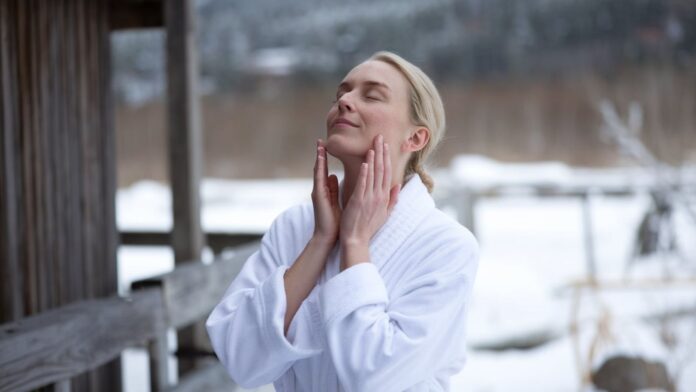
[[377, 71]]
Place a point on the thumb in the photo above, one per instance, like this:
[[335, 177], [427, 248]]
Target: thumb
[[393, 197]]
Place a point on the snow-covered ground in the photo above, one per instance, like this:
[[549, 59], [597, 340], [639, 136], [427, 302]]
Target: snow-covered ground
[[531, 248]]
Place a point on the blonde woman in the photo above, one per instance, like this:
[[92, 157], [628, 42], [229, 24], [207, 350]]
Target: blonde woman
[[367, 287]]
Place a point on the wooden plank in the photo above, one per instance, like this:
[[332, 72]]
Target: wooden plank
[[41, 64], [210, 377], [87, 270], [216, 241], [640, 284], [44, 275], [192, 290], [541, 190], [107, 150], [101, 125], [11, 291], [59, 161], [73, 155], [30, 246], [67, 341]]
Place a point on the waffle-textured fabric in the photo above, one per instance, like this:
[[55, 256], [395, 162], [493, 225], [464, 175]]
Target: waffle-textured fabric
[[396, 323]]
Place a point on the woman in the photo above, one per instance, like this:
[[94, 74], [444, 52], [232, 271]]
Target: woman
[[367, 287]]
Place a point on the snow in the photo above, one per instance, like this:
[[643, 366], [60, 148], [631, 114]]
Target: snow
[[531, 249], [235, 206]]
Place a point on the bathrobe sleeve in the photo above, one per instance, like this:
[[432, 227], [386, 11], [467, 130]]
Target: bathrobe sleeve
[[246, 327], [382, 344]]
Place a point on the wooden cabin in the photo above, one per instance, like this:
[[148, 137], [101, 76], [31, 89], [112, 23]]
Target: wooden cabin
[[62, 323]]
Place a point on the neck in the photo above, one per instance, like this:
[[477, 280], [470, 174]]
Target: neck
[[351, 170]]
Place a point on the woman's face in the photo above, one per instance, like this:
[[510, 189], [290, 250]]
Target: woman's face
[[372, 99]]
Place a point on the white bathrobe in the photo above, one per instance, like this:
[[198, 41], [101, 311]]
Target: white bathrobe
[[396, 323]]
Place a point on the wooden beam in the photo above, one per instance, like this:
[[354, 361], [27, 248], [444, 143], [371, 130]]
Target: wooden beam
[[217, 241], [70, 340], [192, 290], [135, 14]]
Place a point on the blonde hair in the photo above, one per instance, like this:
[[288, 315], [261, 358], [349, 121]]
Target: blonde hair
[[426, 110]]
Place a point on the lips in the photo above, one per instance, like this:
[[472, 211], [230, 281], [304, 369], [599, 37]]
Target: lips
[[343, 121]]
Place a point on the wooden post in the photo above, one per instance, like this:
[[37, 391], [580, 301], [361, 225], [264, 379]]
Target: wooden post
[[11, 306], [588, 237], [185, 146], [466, 208], [159, 362]]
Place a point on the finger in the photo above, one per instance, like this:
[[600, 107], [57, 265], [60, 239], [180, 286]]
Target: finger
[[379, 164], [387, 169], [362, 180], [318, 168], [325, 163], [333, 189], [370, 171]]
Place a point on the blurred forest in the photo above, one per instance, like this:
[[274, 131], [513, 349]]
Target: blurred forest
[[521, 80]]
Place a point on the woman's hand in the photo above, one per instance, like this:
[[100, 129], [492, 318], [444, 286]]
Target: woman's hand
[[327, 212], [372, 200]]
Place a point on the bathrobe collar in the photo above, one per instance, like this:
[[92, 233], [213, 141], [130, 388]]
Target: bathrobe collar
[[413, 206]]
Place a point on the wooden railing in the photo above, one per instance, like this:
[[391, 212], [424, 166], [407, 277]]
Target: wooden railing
[[215, 240], [57, 345], [54, 346]]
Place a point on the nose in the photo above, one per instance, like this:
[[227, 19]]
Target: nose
[[345, 104]]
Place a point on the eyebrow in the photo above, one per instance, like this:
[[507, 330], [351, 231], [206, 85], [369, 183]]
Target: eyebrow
[[369, 83]]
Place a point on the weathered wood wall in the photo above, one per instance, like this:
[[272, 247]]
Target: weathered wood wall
[[57, 171]]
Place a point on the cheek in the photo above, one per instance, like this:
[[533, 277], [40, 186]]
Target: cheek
[[330, 115], [387, 124], [379, 121]]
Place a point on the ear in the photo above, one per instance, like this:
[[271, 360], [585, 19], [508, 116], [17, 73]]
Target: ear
[[418, 139]]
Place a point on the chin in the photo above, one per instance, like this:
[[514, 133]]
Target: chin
[[341, 146]]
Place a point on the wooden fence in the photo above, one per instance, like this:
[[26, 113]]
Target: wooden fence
[[464, 199]]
